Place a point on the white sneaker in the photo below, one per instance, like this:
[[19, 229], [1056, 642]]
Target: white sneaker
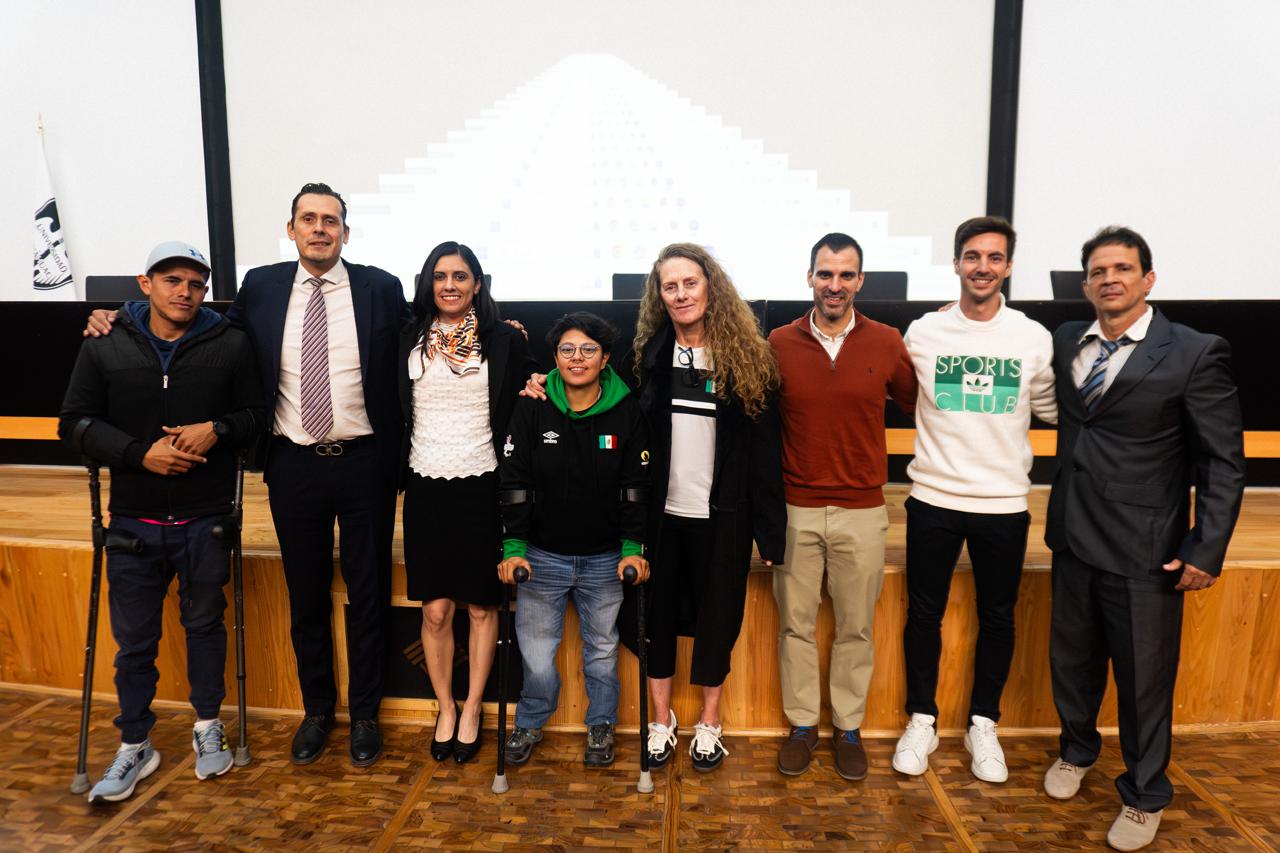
[[706, 750], [1062, 780], [916, 745], [662, 742], [1133, 829], [988, 758]]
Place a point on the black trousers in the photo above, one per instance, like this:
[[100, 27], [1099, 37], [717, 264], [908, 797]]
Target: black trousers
[[308, 492], [997, 545], [138, 584], [1136, 624]]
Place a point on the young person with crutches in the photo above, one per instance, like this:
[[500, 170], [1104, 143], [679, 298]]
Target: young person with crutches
[[166, 406], [574, 489]]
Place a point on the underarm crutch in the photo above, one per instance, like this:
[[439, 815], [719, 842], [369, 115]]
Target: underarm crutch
[[103, 540], [645, 783], [500, 785], [233, 527]]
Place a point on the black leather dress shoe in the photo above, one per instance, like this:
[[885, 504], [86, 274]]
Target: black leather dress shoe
[[464, 752], [442, 749], [366, 742], [309, 740]]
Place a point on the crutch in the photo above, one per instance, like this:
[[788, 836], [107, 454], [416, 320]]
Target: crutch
[[232, 527], [500, 785], [645, 783], [103, 540]]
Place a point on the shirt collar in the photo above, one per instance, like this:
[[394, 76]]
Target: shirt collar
[[1135, 333], [337, 275], [822, 336]]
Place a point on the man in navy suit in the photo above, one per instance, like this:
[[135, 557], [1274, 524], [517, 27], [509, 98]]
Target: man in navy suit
[[1146, 409], [325, 333]]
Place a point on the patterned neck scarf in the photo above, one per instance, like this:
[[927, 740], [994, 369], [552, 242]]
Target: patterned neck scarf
[[459, 345]]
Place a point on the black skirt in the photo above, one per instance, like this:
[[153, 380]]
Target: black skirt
[[453, 538]]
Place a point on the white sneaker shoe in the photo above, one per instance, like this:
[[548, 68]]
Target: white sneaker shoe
[[1062, 780], [988, 758], [916, 745], [662, 742], [1134, 829], [706, 750]]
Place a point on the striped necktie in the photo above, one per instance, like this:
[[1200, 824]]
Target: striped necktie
[[317, 405], [1093, 385]]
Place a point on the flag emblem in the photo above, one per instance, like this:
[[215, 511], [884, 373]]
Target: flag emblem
[[608, 442]]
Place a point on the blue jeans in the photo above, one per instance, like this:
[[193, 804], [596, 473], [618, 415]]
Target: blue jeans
[[597, 596]]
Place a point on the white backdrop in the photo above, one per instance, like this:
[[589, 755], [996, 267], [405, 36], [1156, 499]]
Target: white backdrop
[[118, 86]]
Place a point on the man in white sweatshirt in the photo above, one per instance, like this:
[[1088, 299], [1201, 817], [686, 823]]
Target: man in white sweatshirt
[[984, 368]]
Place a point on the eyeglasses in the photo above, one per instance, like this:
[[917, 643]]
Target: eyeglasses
[[685, 356], [568, 351]]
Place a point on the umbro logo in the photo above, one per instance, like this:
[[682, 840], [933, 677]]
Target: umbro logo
[[549, 437]]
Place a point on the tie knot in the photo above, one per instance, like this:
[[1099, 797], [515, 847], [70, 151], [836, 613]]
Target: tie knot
[[315, 282], [1112, 346]]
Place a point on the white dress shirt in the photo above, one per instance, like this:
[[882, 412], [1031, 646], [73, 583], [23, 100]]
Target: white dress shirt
[[345, 388], [1089, 352]]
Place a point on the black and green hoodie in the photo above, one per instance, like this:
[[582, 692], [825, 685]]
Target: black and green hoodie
[[566, 476]]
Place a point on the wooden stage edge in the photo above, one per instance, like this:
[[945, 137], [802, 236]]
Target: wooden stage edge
[[1229, 679]]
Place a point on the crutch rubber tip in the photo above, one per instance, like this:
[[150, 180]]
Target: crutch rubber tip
[[500, 785], [241, 756], [80, 784], [645, 783]]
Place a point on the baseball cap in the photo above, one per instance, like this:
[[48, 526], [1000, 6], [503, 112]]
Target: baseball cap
[[175, 249]]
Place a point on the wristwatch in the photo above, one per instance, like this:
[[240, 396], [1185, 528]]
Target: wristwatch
[[220, 429]]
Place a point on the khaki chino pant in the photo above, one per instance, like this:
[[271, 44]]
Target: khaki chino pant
[[847, 545]]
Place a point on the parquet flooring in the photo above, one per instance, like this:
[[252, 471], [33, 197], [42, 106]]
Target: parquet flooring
[[1227, 797]]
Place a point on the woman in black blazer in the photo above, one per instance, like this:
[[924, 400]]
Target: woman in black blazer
[[461, 369]]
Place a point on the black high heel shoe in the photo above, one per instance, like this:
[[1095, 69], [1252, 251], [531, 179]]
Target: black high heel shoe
[[464, 752], [442, 749]]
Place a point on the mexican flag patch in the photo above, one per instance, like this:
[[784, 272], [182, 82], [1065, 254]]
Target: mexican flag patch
[[608, 442]]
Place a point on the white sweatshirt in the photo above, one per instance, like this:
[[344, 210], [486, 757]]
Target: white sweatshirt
[[979, 384]]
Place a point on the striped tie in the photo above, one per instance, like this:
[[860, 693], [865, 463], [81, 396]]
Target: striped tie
[[317, 405], [1092, 386]]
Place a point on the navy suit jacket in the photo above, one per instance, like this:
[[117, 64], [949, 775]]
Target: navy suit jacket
[[380, 311], [1170, 420]]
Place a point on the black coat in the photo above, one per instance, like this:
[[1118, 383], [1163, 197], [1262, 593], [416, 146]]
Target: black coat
[[1121, 487]]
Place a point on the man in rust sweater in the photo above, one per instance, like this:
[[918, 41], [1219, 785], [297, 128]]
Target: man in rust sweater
[[838, 366]]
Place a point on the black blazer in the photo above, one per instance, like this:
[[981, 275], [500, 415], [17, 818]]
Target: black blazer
[[1170, 420], [380, 310], [510, 366]]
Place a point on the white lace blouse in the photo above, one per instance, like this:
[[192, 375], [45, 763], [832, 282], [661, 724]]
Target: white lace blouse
[[451, 434]]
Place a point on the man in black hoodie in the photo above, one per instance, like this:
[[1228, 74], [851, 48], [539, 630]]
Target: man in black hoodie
[[166, 406]]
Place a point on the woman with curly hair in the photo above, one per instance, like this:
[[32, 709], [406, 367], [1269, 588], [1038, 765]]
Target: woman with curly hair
[[707, 385]]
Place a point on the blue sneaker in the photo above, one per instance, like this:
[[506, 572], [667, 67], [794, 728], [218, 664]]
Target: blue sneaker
[[213, 758], [132, 764]]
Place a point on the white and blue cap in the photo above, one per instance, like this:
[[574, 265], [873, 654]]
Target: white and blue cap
[[176, 250]]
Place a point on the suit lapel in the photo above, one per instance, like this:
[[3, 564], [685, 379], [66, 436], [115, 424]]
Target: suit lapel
[[1147, 353], [1065, 356], [362, 305], [496, 351], [275, 309]]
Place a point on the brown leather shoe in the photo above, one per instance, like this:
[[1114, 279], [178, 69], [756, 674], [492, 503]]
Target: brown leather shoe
[[851, 758], [797, 750]]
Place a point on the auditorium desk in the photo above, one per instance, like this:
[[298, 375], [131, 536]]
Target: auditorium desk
[[1230, 673]]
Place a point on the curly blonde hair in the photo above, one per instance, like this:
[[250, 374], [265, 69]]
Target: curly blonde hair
[[741, 358]]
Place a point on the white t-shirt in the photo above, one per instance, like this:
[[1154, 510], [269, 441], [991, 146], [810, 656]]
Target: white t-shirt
[[693, 434], [979, 384]]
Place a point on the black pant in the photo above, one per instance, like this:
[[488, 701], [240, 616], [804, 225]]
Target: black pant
[[997, 546], [308, 492], [1137, 625], [137, 587]]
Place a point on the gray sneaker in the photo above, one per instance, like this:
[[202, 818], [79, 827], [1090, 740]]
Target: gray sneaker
[[213, 758], [599, 746], [520, 744], [131, 765]]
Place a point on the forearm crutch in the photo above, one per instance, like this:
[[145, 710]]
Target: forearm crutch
[[103, 540], [235, 522], [645, 783], [500, 784]]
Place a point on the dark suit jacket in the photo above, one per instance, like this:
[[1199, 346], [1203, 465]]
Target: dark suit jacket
[[380, 310], [1170, 420], [510, 366]]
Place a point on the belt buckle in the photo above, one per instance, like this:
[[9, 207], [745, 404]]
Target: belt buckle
[[331, 448]]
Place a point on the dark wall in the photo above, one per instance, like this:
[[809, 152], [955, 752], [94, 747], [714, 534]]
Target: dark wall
[[41, 340]]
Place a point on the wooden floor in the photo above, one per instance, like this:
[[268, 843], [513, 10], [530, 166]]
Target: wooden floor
[[1227, 797]]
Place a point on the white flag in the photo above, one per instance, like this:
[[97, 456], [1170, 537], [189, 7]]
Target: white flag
[[51, 272]]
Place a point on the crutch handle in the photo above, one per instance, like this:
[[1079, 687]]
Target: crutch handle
[[521, 574], [629, 574]]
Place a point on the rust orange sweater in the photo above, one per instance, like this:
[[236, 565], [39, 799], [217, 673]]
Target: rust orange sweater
[[833, 449]]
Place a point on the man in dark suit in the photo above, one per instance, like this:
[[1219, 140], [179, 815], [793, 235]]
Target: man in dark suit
[[1147, 409], [325, 333]]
